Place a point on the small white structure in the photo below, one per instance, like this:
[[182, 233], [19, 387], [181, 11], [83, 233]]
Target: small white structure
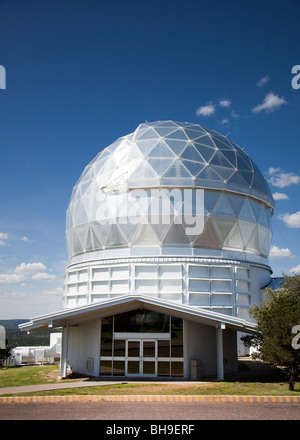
[[2, 337], [168, 231], [38, 354]]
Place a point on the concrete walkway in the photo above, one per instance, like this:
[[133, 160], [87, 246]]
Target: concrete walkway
[[53, 386]]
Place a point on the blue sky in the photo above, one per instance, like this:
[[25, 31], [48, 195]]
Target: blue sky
[[81, 74]]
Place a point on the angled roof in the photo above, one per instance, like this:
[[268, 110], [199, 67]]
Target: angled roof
[[85, 314]]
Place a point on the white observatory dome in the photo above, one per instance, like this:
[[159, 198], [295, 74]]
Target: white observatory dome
[[168, 155]]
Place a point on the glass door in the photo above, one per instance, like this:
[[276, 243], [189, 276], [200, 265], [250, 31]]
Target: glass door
[[141, 357], [133, 357]]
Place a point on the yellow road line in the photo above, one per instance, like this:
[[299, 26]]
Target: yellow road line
[[150, 398]]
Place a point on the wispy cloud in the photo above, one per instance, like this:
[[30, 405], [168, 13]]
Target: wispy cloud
[[276, 252], [234, 115], [58, 291], [281, 179], [263, 81], [270, 103], [3, 237], [7, 278], [13, 295], [206, 110], [43, 276], [26, 240], [225, 103], [295, 270], [225, 121], [280, 196], [291, 220]]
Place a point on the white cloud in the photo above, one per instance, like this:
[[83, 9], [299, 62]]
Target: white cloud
[[206, 110], [225, 103], [3, 236], [273, 170], [234, 115], [26, 239], [225, 121], [58, 291], [35, 271], [280, 179], [280, 196], [275, 252], [13, 295], [295, 269], [270, 103], [263, 81], [7, 278], [291, 220], [30, 268], [43, 276]]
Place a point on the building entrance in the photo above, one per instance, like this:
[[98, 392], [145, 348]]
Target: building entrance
[[142, 355], [141, 344]]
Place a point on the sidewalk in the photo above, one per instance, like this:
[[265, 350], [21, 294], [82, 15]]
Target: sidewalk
[[53, 386]]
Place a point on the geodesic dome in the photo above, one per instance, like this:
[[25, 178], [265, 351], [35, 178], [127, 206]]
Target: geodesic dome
[[171, 155]]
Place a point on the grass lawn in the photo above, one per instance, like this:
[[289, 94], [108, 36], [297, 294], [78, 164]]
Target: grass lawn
[[270, 384]]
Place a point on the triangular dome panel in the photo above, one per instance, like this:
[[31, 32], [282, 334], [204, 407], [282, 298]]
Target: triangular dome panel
[[222, 226], [144, 236], [178, 134], [234, 239], [223, 207], [205, 141], [145, 146], [161, 150], [115, 237], [209, 237], [177, 170], [247, 229], [253, 243], [191, 153], [143, 172], [160, 165], [177, 146], [246, 212], [176, 235]]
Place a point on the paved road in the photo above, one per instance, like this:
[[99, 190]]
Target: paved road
[[150, 411]]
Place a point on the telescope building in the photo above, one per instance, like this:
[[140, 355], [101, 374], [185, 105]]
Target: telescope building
[[168, 233]]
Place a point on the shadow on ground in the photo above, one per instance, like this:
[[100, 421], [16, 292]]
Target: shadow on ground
[[249, 371]]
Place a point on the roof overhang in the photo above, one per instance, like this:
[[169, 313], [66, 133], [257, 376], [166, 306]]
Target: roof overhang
[[85, 314]]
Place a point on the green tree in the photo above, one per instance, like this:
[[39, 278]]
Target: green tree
[[276, 320]]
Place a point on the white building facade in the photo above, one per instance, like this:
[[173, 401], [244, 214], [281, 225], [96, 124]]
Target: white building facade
[[168, 232]]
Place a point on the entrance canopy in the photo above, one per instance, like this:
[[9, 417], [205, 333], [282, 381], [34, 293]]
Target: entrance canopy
[[85, 314]]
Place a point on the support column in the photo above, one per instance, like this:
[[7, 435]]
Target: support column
[[220, 363], [64, 351]]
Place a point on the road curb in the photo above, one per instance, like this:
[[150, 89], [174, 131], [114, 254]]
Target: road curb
[[149, 398]]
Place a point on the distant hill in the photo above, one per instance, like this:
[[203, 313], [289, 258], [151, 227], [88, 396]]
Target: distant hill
[[17, 338]]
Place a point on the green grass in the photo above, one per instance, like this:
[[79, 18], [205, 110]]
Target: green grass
[[32, 375], [273, 384]]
